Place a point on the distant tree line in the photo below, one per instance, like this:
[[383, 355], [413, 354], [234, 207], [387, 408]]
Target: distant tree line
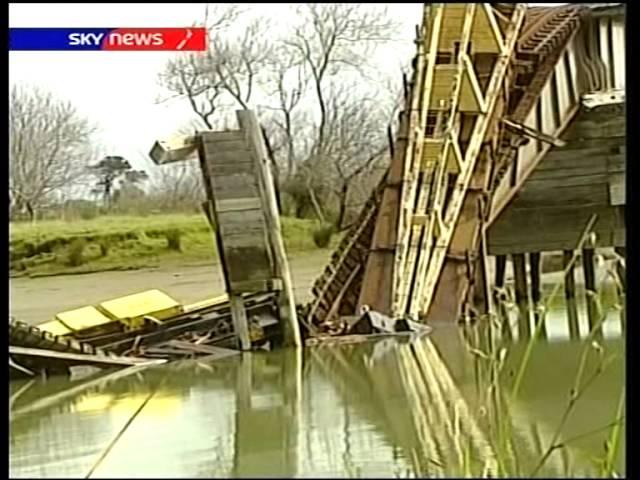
[[325, 107]]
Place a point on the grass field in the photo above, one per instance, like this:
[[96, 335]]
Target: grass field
[[125, 242]]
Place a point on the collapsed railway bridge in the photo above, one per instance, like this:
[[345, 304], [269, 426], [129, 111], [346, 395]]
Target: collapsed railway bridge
[[511, 143], [511, 139]]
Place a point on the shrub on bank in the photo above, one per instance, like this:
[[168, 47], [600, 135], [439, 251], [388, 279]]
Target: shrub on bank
[[322, 235]]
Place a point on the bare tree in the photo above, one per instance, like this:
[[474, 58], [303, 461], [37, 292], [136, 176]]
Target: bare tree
[[189, 76], [356, 140], [177, 186], [237, 61], [334, 37], [287, 83], [50, 147], [227, 71]]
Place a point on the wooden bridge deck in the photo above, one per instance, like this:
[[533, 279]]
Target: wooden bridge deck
[[584, 178]]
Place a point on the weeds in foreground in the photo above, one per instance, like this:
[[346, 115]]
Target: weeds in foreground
[[498, 404], [504, 456]]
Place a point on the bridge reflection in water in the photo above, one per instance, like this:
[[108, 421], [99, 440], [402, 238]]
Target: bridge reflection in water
[[392, 408]]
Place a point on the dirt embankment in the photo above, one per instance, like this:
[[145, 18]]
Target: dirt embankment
[[36, 300]]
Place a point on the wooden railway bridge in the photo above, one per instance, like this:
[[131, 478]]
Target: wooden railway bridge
[[512, 138], [511, 143]]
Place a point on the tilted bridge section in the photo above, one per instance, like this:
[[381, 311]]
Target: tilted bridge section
[[499, 92]]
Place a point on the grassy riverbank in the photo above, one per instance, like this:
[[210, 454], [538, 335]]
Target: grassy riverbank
[[55, 247]]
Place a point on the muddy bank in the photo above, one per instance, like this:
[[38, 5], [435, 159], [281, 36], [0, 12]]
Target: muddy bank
[[35, 300]]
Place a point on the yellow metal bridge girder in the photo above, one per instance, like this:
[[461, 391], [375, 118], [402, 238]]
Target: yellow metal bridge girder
[[449, 85]]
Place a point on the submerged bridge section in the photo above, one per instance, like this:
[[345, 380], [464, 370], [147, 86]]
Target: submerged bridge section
[[513, 123]]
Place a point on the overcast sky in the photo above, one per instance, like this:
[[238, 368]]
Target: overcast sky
[[118, 90]]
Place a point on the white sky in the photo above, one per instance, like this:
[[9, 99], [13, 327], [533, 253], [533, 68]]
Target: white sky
[[118, 90]]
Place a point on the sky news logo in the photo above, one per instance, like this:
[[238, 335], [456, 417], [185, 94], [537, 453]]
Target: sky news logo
[[114, 39]]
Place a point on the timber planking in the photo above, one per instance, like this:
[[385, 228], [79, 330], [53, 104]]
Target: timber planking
[[585, 177]]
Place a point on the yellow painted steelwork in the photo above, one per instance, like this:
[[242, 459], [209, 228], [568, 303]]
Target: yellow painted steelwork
[[209, 302], [129, 311], [71, 321], [132, 309], [54, 327]]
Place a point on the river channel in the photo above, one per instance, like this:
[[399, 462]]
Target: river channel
[[392, 408]]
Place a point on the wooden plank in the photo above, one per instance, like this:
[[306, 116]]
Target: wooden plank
[[235, 187], [240, 235], [225, 136], [517, 223], [585, 195], [249, 124], [603, 127], [603, 36], [583, 156], [234, 167], [550, 180], [236, 147], [573, 66], [243, 181], [521, 294], [554, 228], [619, 53], [224, 205], [617, 189], [238, 219], [81, 357], [252, 239], [549, 126], [240, 323], [564, 101], [570, 294]]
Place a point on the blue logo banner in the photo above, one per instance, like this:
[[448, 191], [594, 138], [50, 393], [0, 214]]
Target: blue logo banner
[[57, 39]]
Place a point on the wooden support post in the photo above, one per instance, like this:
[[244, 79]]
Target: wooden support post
[[536, 292], [249, 124], [240, 323], [588, 265], [620, 267], [622, 293], [503, 315], [501, 267], [534, 266], [482, 296], [520, 276], [570, 295]]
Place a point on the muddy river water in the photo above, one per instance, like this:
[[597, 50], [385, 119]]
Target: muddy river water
[[391, 408], [353, 410]]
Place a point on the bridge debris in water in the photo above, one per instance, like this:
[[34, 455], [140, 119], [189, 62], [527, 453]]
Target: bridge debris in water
[[498, 91]]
